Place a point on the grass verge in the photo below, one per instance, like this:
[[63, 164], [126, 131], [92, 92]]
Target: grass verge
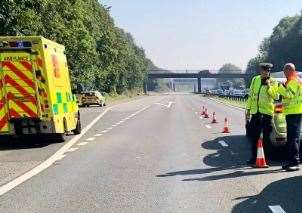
[[231, 101]]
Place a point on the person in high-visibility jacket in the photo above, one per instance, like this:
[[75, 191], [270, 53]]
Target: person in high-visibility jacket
[[260, 107], [291, 93]]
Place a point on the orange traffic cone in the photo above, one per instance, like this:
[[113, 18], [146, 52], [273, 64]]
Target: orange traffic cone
[[202, 112], [214, 121], [260, 161], [225, 128], [206, 115]]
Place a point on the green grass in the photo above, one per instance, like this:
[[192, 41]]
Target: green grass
[[113, 97], [232, 101]]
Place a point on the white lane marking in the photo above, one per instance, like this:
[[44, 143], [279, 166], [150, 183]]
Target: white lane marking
[[82, 144], [276, 209], [114, 125], [208, 126], [90, 139], [223, 143], [98, 135], [104, 131], [72, 149], [109, 128], [51, 160], [61, 157], [168, 106]]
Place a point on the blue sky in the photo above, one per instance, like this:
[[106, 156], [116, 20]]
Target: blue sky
[[200, 34]]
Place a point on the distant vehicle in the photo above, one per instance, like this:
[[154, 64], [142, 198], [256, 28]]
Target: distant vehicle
[[238, 93], [36, 96], [93, 98]]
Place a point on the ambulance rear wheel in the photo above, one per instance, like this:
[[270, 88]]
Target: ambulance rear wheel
[[59, 137], [78, 128]]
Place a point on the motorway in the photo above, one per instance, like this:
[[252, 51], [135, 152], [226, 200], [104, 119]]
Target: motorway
[[152, 154]]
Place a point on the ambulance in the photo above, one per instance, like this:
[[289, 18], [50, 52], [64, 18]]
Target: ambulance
[[35, 88]]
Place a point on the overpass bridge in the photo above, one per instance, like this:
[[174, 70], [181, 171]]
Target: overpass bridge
[[155, 74]]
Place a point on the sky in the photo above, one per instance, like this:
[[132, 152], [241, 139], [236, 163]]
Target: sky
[[200, 34]]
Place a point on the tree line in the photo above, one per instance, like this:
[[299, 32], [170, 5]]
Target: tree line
[[100, 55], [282, 46]]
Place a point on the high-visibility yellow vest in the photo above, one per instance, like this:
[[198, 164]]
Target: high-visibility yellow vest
[[261, 97], [291, 97]]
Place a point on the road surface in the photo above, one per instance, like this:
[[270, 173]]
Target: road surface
[[154, 154]]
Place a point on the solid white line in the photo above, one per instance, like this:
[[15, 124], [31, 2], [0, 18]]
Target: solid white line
[[90, 139], [44, 165], [208, 126], [98, 135], [276, 209], [72, 149], [223, 143], [82, 144], [61, 157]]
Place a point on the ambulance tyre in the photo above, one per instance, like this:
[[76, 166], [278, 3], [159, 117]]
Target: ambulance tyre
[[59, 137], [78, 128]]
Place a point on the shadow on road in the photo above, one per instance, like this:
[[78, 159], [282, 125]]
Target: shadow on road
[[285, 193], [225, 158], [32, 142]]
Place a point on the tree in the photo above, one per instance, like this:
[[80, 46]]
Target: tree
[[100, 55], [283, 46]]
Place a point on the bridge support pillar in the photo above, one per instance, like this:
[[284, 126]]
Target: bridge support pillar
[[146, 86], [199, 85]]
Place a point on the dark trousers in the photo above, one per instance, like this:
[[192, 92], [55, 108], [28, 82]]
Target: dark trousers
[[293, 123], [260, 123]]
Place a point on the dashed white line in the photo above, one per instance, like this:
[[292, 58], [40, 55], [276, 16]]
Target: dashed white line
[[51, 160], [98, 135], [104, 131], [82, 144], [114, 125], [72, 149], [223, 143], [208, 126], [276, 209], [90, 139], [109, 128]]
